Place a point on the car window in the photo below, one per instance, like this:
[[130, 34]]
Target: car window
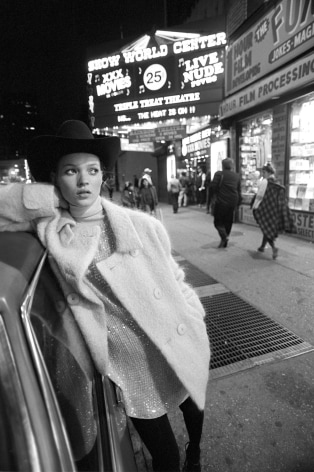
[[70, 368]]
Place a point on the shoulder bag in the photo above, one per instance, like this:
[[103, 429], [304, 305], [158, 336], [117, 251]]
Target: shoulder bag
[[214, 197]]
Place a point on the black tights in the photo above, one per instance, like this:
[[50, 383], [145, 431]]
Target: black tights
[[223, 220], [158, 437], [268, 240]]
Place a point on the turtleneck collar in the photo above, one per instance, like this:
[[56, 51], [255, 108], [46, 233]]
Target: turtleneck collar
[[91, 213]]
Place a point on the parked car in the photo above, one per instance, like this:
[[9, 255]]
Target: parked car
[[57, 413]]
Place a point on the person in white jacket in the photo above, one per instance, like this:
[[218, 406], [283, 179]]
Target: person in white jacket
[[143, 324]]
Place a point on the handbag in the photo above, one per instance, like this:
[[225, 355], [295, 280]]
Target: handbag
[[213, 200], [213, 204], [158, 214]]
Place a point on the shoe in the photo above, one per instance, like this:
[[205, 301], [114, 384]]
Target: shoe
[[223, 243], [192, 460], [275, 252], [261, 249]]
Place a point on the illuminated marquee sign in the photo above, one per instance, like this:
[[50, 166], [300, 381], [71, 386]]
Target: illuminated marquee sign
[[179, 79], [199, 141]]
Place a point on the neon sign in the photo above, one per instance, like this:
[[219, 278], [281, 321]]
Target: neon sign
[[178, 47], [113, 83], [202, 70], [196, 142], [153, 82], [156, 102]]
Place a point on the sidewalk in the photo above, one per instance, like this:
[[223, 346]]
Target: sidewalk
[[260, 419]]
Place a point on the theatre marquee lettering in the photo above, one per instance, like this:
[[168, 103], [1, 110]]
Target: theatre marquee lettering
[[196, 142], [157, 102], [147, 54], [156, 82]]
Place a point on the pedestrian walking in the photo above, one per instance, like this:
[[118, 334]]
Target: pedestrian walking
[[148, 194], [225, 188], [136, 191], [146, 174], [183, 194], [207, 183], [109, 186], [128, 195], [270, 209], [144, 325], [200, 186], [174, 188]]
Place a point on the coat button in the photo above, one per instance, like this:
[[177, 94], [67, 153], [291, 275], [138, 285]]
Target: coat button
[[60, 306], [134, 253], [73, 299], [181, 328], [157, 293]]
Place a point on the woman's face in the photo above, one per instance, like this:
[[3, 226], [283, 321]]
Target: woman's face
[[79, 178]]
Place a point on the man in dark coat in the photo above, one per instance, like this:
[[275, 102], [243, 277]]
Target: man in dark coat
[[226, 189]]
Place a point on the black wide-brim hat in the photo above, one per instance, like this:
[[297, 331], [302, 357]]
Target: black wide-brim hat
[[73, 136]]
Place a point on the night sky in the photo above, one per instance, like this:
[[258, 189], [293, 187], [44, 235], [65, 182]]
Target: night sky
[[45, 42]]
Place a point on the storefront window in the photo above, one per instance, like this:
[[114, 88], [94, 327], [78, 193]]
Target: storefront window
[[255, 150], [13, 171], [301, 163]]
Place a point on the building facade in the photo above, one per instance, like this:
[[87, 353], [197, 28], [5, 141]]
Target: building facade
[[269, 103]]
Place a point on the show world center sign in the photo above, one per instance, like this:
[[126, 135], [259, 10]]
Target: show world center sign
[[139, 84]]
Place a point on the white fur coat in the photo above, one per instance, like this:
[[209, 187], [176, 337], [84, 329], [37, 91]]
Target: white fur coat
[[141, 272]]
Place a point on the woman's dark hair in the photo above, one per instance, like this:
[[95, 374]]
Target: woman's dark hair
[[269, 168], [227, 164], [142, 183]]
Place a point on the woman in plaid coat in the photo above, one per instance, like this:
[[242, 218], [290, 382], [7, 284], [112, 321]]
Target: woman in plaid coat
[[271, 211]]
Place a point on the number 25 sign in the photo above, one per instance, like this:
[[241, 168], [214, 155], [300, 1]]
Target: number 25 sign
[[155, 77]]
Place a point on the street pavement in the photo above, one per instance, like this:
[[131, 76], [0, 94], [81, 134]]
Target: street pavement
[[260, 419]]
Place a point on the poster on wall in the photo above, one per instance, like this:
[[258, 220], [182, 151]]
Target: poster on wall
[[279, 140], [305, 224], [278, 37], [171, 167], [219, 151], [197, 145]]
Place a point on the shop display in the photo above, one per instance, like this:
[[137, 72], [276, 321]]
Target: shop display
[[301, 164], [255, 151]]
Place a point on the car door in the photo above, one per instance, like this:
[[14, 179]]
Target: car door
[[86, 422], [27, 433]]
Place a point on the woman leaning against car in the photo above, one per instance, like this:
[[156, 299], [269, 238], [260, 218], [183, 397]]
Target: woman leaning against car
[[143, 324]]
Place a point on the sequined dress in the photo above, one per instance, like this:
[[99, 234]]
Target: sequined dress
[[149, 386]]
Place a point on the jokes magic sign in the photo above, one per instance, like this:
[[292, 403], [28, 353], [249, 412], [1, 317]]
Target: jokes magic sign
[[281, 35]]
